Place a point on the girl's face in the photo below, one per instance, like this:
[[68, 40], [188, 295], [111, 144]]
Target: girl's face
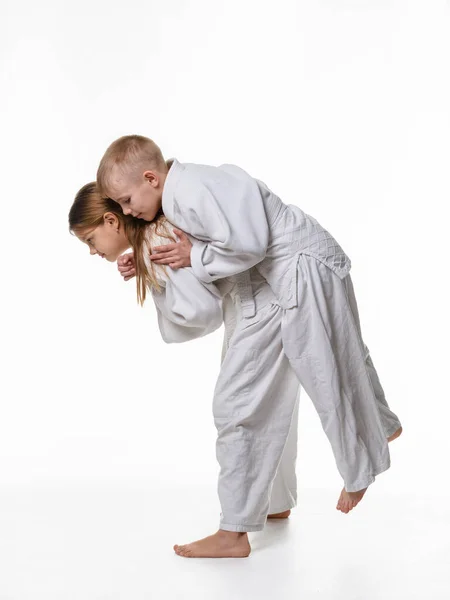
[[108, 240]]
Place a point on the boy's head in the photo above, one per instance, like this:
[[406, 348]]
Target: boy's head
[[132, 172]]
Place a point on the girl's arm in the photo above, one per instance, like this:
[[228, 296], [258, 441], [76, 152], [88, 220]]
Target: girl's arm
[[187, 308]]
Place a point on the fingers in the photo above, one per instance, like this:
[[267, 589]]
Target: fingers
[[126, 267], [127, 270], [124, 258], [160, 255], [166, 261], [128, 274], [180, 233], [125, 262], [166, 247]]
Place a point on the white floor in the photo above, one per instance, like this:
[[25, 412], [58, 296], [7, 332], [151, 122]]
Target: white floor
[[108, 541]]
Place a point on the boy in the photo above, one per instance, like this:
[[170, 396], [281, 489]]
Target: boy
[[239, 223]]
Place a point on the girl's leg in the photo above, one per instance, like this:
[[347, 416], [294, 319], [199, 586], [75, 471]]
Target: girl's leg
[[252, 419], [283, 495], [254, 401]]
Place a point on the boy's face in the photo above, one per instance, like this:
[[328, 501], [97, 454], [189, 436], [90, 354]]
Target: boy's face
[[140, 197]]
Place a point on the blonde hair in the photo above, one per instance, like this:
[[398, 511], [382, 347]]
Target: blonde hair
[[127, 154], [87, 212]]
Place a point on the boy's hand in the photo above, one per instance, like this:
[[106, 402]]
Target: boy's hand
[[175, 255], [125, 264]]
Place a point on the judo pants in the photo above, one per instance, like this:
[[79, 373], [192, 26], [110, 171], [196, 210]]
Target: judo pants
[[282, 491], [318, 344]]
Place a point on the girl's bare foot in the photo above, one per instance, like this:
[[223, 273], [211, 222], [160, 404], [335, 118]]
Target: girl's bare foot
[[281, 515], [223, 544]]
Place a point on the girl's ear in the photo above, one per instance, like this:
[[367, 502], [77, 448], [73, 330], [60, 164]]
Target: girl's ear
[[111, 220]]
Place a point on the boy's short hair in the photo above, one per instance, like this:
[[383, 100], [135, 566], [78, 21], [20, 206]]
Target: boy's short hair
[[128, 154]]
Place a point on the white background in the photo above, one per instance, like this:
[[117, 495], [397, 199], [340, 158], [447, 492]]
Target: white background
[[343, 108]]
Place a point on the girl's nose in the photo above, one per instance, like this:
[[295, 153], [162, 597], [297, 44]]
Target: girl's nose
[[92, 251]]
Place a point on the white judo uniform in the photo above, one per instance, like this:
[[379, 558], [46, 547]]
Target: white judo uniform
[[188, 309], [312, 322]]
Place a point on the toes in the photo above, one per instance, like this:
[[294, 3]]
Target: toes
[[341, 504], [345, 507]]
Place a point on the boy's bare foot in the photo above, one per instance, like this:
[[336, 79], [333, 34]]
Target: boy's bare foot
[[395, 435], [223, 544], [281, 515], [348, 500]]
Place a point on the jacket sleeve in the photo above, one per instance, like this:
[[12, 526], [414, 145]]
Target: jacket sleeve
[[225, 211], [187, 309]]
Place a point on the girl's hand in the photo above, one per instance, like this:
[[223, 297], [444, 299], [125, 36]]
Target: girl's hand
[[175, 255], [125, 264]]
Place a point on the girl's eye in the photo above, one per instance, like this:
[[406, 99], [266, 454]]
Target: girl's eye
[[127, 201]]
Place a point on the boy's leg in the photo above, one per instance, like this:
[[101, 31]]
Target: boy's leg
[[390, 421], [324, 346], [391, 424]]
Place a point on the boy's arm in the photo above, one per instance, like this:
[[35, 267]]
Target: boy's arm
[[226, 215]]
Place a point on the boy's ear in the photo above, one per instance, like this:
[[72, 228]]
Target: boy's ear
[[151, 177]]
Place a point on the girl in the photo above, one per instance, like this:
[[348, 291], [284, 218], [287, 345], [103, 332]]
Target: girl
[[99, 223], [187, 309]]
